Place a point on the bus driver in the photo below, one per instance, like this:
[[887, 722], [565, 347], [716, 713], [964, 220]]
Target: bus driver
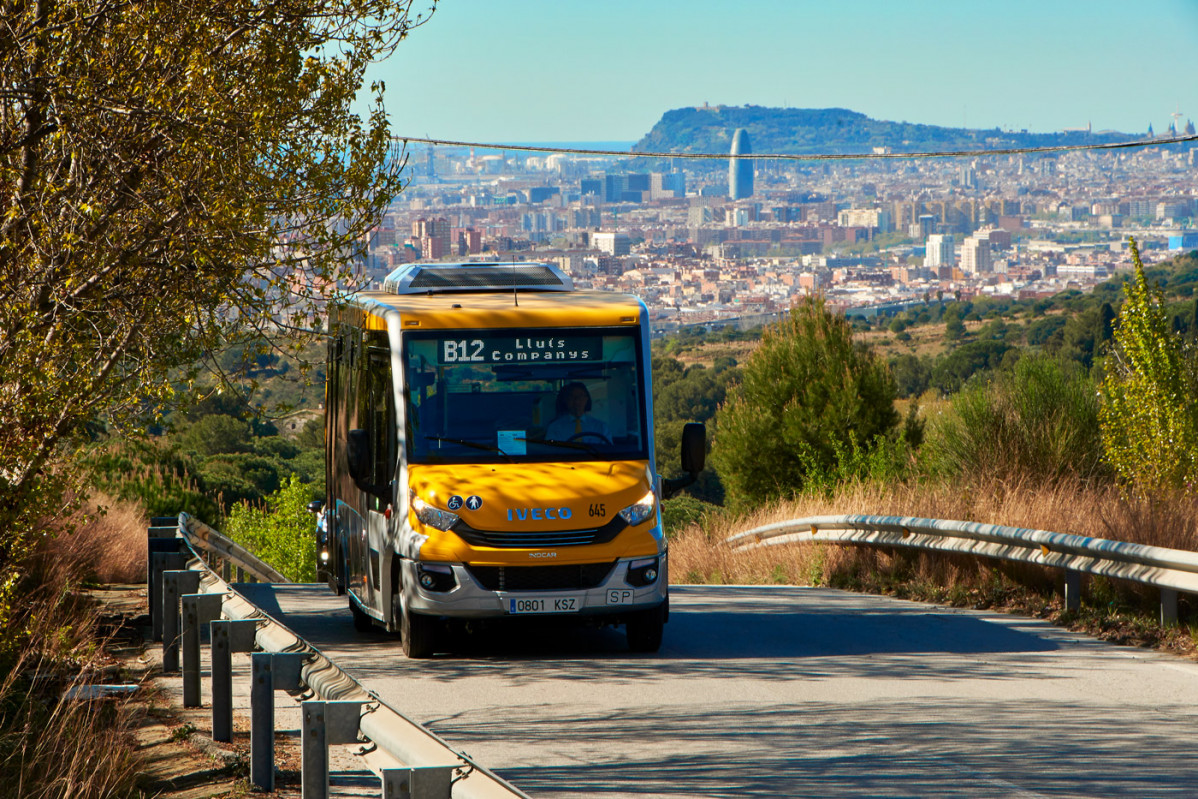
[[573, 421]]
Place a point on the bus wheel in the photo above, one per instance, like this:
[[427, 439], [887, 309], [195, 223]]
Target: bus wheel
[[644, 629], [418, 633], [362, 622]]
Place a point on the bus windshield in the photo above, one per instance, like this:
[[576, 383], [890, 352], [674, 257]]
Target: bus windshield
[[524, 395]]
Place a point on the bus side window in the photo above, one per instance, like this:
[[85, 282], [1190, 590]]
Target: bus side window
[[378, 411]]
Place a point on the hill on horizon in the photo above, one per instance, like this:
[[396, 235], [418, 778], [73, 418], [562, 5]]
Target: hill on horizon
[[804, 131]]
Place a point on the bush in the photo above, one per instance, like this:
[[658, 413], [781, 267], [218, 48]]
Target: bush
[[283, 533], [1039, 421], [810, 397], [682, 511]]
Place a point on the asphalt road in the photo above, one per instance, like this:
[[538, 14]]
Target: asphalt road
[[779, 691]]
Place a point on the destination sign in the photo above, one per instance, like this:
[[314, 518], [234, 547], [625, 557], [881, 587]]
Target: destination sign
[[520, 349]]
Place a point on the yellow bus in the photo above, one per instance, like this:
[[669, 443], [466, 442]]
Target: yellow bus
[[489, 450]]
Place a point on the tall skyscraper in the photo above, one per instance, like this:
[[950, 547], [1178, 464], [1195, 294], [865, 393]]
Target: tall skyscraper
[[740, 170]]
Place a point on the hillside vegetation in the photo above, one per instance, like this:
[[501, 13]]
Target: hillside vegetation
[[832, 130], [1073, 414]]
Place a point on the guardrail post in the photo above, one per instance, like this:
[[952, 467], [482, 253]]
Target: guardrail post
[[161, 561], [1073, 589], [240, 575], [270, 672], [1168, 607], [174, 585], [432, 782], [324, 724], [228, 636], [198, 610]]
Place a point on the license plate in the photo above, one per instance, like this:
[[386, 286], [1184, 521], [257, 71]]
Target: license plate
[[544, 604]]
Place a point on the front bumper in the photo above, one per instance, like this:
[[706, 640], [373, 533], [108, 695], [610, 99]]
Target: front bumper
[[469, 599]]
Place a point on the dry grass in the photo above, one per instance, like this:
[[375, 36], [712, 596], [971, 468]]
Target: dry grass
[[54, 639], [104, 542], [698, 555], [1117, 611], [51, 745]]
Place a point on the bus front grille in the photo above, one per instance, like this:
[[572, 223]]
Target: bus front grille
[[541, 578], [537, 539]]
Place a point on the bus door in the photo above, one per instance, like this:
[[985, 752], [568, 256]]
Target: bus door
[[376, 415]]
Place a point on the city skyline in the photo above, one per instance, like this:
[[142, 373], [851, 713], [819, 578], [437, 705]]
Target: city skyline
[[543, 71]]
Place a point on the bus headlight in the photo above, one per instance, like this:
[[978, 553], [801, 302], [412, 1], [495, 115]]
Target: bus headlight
[[637, 513], [433, 517]]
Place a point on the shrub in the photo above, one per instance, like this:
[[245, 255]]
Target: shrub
[[682, 511], [1038, 421], [282, 533]]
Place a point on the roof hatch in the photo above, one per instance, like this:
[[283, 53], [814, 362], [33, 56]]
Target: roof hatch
[[476, 276]]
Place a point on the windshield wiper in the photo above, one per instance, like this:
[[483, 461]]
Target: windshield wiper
[[474, 444]]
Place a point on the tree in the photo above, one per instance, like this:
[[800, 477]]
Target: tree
[[168, 174], [954, 328], [281, 531], [809, 398], [1148, 416]]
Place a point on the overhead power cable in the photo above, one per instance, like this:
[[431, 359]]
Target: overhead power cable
[[1059, 148]]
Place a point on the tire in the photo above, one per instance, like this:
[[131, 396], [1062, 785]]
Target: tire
[[645, 628], [362, 622], [418, 634]]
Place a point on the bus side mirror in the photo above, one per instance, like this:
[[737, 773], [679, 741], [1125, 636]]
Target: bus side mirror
[[694, 447], [357, 455]]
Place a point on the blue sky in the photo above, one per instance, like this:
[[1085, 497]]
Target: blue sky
[[565, 70]]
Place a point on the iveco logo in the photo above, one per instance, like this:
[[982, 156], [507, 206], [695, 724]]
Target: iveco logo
[[537, 514], [542, 554]]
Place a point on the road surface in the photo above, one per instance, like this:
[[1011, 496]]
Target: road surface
[[784, 691]]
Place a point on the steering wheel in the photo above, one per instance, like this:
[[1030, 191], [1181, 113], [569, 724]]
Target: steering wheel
[[585, 433]]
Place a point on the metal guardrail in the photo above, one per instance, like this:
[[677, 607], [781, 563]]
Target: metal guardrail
[[411, 761], [1170, 570]]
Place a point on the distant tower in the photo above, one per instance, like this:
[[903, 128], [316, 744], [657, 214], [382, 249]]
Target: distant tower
[[740, 170]]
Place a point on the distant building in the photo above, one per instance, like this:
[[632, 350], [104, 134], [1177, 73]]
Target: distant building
[[940, 251], [667, 184], [1173, 209], [1185, 241], [698, 215], [864, 217], [736, 217], [612, 243], [922, 227], [433, 235], [975, 256], [740, 170], [539, 194]]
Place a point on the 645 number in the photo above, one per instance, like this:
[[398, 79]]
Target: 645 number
[[598, 509]]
